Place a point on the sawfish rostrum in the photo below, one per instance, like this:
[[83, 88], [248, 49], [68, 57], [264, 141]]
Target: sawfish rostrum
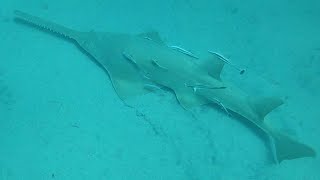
[[134, 61]]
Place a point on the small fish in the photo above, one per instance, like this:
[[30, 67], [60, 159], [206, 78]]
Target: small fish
[[241, 71], [156, 63], [223, 107], [152, 87], [184, 51], [202, 86], [129, 57]]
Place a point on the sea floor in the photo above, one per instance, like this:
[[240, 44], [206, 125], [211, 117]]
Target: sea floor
[[60, 117]]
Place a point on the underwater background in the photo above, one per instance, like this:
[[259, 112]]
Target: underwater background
[[60, 117]]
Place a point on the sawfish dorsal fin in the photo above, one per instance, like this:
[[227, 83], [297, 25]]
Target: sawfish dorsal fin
[[213, 65], [152, 35], [263, 106]]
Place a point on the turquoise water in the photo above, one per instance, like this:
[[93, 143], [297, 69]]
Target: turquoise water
[[60, 117]]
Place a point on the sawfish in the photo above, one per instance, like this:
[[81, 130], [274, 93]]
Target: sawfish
[[135, 62]]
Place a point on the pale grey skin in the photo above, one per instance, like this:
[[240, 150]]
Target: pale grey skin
[[136, 61]]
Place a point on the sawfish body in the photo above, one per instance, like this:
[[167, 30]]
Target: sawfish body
[[137, 62]]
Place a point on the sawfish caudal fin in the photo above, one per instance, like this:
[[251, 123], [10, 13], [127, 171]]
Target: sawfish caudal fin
[[286, 148], [53, 27]]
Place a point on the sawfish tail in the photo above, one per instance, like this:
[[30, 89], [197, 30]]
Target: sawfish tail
[[286, 148], [53, 27]]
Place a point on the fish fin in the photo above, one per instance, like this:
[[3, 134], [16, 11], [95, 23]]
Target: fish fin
[[188, 100], [214, 65], [126, 89], [286, 148], [263, 106], [154, 36]]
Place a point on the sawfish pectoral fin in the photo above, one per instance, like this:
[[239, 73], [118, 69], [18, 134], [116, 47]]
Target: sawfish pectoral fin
[[188, 99], [127, 88], [287, 148]]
